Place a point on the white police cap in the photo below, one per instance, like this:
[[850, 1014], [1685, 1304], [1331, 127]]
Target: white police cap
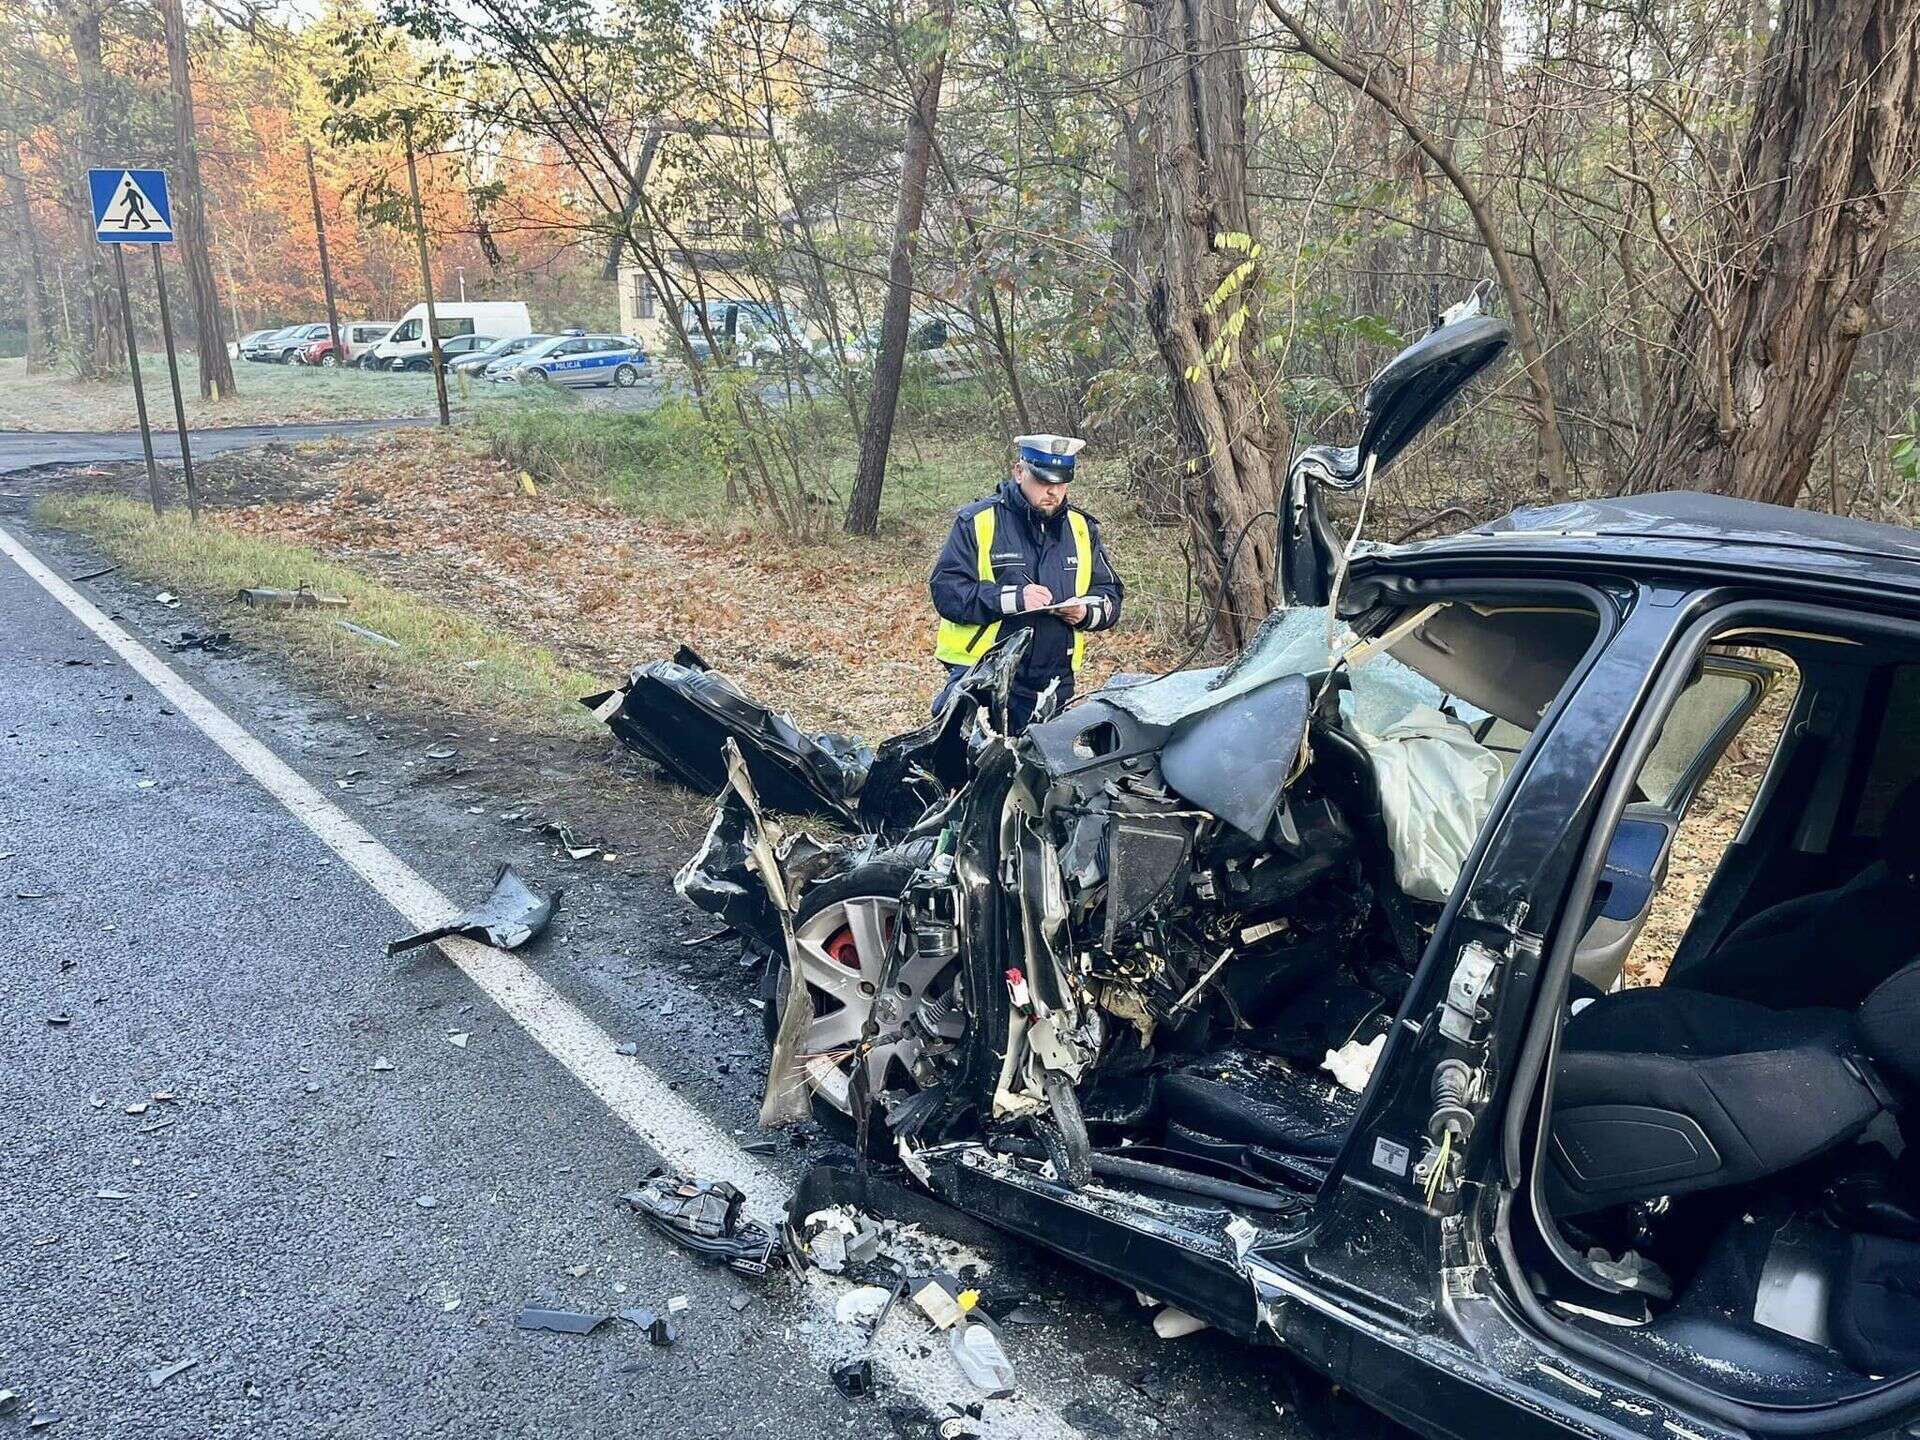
[[1051, 456]]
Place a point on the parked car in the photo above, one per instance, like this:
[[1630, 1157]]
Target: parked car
[[287, 346], [941, 344], [250, 340], [474, 362], [451, 349], [408, 341], [751, 334], [356, 337], [265, 346], [1296, 993], [575, 360]]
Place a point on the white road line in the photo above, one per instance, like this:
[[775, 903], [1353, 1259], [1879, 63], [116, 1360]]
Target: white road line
[[669, 1125]]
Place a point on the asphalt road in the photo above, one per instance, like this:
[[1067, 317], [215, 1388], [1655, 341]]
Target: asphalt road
[[169, 929]]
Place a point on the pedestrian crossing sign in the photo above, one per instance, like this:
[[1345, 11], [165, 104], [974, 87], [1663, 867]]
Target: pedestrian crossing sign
[[130, 207]]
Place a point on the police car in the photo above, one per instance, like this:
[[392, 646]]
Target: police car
[[575, 360]]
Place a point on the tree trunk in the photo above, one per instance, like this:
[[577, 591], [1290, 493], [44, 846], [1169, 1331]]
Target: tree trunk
[[1189, 195], [326, 265], [190, 214], [102, 349], [916, 154], [35, 300], [1760, 352]]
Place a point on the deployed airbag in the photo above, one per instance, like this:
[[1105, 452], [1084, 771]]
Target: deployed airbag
[[1437, 787]]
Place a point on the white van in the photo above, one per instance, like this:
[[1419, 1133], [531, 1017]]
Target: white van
[[499, 319]]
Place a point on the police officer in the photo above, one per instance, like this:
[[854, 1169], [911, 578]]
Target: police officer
[[1024, 558]]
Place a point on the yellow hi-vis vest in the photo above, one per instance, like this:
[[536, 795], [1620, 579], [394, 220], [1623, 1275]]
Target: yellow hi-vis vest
[[962, 644]]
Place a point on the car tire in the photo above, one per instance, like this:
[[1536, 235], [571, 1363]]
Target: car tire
[[626, 376], [880, 882], [534, 375], [329, 362]]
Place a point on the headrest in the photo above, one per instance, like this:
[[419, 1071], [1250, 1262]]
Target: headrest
[[1900, 836], [1888, 1025]]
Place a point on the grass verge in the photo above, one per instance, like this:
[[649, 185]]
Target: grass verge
[[666, 463], [443, 658], [651, 462]]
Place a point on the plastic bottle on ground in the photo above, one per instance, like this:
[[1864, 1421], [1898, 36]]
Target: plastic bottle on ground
[[976, 1350]]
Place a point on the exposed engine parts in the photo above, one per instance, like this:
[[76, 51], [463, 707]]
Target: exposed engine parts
[[1093, 916]]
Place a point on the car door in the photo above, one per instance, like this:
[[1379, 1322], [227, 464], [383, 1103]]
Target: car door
[[581, 364], [602, 356], [1706, 717], [564, 363]]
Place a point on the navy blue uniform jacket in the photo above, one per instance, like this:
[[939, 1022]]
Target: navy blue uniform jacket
[[1028, 549]]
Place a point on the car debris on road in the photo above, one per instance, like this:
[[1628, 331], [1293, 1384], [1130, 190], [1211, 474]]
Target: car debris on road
[[977, 1351], [707, 1217], [564, 1322], [160, 1375], [853, 1378], [213, 642], [511, 915], [267, 598], [659, 1329], [365, 634]]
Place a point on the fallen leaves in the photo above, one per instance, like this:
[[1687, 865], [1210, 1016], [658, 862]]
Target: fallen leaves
[[839, 631]]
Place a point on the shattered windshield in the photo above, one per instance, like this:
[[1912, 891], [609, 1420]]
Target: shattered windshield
[[1289, 642]]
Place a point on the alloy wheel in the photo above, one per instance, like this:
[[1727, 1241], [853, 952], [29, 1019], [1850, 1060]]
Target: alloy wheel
[[842, 951]]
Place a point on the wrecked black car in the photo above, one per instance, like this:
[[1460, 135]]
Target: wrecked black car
[[1295, 992]]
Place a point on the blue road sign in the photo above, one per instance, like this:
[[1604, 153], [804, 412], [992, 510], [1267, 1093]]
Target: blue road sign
[[130, 207]]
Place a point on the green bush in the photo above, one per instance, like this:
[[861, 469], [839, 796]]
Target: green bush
[[652, 461], [793, 466]]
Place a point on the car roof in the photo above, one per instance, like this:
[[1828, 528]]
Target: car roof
[[1687, 529]]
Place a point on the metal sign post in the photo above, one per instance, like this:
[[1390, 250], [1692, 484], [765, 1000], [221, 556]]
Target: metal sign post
[[173, 374], [139, 390], [131, 207]]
